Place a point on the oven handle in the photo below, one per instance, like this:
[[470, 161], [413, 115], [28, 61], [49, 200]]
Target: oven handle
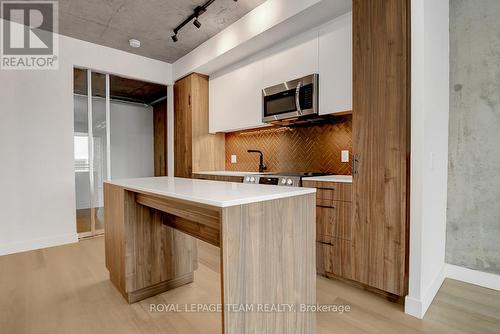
[[297, 98]]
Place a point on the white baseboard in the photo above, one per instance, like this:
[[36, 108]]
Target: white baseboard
[[417, 307], [486, 280], [17, 247]]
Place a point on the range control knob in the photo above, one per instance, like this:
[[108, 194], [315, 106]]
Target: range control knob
[[247, 179], [252, 179], [283, 181], [289, 182]]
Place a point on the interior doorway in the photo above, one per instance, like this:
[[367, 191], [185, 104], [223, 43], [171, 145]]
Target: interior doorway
[[119, 132]]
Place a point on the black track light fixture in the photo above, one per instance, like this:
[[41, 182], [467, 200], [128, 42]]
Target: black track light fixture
[[197, 12], [197, 23]]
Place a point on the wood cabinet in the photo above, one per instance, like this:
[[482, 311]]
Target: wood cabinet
[[362, 229], [335, 66], [225, 178], [194, 148], [381, 132], [334, 221], [160, 138], [333, 228], [236, 92]]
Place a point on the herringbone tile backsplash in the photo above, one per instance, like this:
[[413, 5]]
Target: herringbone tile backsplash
[[314, 148]]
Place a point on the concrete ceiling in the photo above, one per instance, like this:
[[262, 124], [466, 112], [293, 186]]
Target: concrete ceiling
[[113, 22]]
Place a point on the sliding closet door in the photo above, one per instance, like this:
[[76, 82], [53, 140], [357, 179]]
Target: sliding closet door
[[114, 138], [82, 154], [99, 151], [91, 142]]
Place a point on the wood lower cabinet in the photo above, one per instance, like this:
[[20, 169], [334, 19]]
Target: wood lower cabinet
[[225, 178], [194, 148], [334, 258], [334, 221], [333, 228]]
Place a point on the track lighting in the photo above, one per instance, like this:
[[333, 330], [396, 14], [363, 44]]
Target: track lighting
[[197, 23], [199, 10]]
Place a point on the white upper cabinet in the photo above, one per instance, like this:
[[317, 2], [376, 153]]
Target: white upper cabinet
[[235, 99], [235, 94], [335, 66], [291, 60]]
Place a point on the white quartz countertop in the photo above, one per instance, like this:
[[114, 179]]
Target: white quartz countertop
[[225, 173], [215, 193], [330, 178]]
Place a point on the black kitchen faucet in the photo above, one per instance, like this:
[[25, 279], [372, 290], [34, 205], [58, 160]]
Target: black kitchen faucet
[[262, 167]]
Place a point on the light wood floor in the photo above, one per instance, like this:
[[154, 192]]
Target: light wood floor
[[66, 290], [83, 219]]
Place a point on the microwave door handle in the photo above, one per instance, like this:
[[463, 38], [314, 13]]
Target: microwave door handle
[[297, 98]]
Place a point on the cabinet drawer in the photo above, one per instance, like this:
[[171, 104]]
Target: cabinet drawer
[[328, 258], [334, 258], [330, 191], [334, 221]]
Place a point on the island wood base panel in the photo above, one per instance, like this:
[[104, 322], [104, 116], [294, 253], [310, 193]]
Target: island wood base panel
[[158, 288], [267, 253]]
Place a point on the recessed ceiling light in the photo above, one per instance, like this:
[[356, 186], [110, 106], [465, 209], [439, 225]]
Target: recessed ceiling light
[[134, 43]]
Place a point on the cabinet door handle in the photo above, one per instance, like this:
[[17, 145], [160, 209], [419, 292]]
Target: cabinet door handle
[[355, 161], [326, 243]]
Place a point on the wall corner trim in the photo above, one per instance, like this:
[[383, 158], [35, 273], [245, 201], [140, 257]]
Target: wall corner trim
[[24, 246], [480, 278], [418, 307]]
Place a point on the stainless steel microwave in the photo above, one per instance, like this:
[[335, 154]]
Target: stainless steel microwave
[[291, 99]]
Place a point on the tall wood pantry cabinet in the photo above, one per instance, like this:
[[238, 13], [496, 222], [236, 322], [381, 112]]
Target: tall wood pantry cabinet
[[194, 148], [381, 144]]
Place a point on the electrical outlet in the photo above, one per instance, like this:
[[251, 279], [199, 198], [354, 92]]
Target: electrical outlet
[[345, 156], [234, 159]]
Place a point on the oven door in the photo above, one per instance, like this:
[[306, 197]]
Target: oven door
[[291, 99]]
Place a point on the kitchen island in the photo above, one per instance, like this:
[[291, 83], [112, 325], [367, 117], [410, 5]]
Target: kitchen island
[[266, 235]]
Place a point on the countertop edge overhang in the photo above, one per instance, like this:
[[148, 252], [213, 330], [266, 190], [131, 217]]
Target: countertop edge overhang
[[214, 193]]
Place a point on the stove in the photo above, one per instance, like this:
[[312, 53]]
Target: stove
[[290, 179]]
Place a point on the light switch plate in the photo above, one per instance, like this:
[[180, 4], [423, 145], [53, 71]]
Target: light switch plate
[[234, 159], [345, 156]]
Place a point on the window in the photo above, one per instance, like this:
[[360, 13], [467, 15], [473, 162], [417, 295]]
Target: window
[[81, 152]]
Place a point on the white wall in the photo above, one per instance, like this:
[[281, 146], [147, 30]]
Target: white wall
[[131, 130], [37, 197], [429, 151]]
